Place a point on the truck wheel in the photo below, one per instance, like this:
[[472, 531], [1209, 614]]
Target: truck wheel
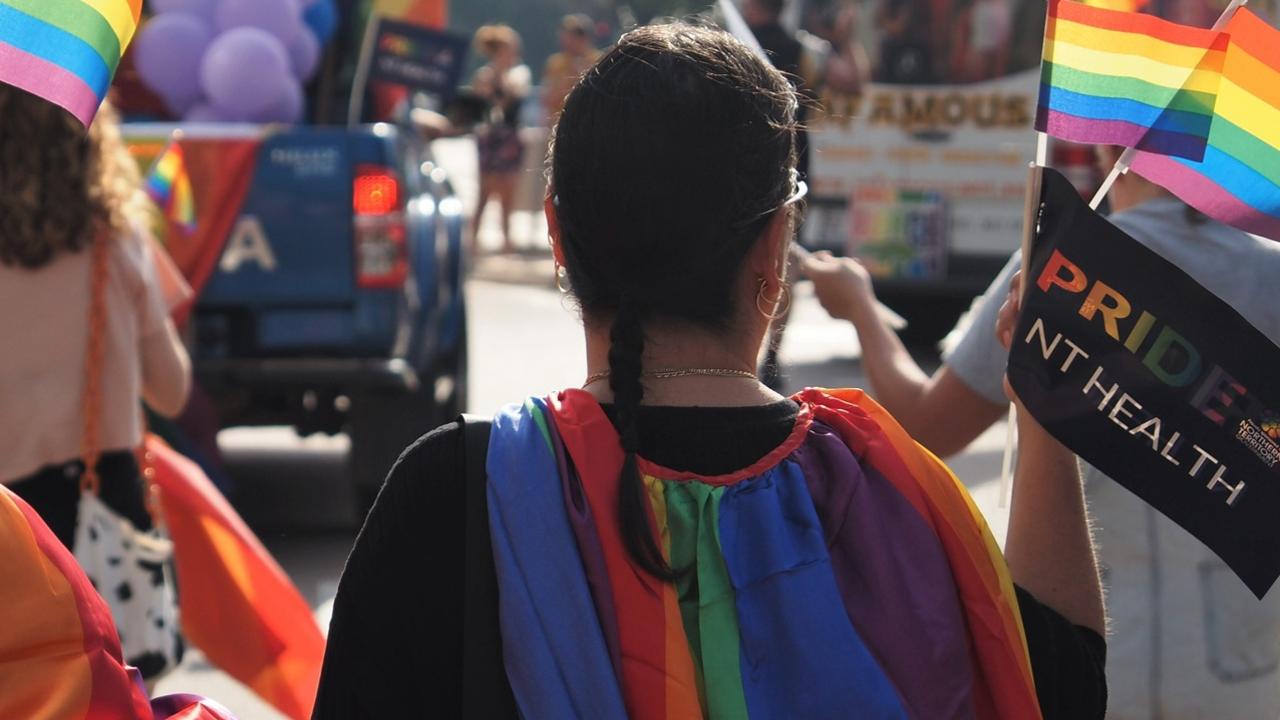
[[382, 424]]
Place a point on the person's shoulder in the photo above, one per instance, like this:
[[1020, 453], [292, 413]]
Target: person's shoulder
[[438, 446]]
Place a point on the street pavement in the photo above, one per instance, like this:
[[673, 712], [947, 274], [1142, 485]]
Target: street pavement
[[525, 339]]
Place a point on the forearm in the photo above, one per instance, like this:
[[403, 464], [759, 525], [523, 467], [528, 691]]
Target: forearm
[[896, 379], [1049, 548]]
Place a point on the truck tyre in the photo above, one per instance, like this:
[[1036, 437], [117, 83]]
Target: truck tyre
[[383, 423]]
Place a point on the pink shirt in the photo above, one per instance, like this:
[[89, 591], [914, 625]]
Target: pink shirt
[[44, 331]]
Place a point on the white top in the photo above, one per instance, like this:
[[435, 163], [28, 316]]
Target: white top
[[44, 330], [1187, 638]]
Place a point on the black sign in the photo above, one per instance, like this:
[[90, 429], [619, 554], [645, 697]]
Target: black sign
[[418, 57], [1154, 380]]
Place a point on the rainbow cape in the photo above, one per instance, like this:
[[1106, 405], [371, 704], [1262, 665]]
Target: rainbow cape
[[846, 569], [168, 185], [1238, 179], [60, 655], [1129, 79], [65, 51]]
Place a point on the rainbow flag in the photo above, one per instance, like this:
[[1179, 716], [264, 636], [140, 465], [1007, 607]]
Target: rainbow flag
[[785, 606], [65, 51], [1238, 179], [238, 605], [169, 187], [63, 659], [1128, 79]]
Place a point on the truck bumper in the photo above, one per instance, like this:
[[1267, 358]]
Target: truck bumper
[[302, 373]]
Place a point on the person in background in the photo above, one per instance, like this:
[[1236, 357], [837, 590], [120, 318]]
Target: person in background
[[811, 66], [1188, 640], [504, 83], [577, 53], [72, 219], [906, 48], [674, 539], [60, 193]]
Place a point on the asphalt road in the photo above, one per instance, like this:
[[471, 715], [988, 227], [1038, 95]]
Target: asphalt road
[[525, 339]]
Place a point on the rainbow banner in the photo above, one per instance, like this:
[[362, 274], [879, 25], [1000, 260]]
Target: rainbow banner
[[1128, 79], [1238, 179], [65, 51], [169, 187]]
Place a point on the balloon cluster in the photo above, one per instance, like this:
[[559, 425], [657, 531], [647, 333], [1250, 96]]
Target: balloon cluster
[[233, 60]]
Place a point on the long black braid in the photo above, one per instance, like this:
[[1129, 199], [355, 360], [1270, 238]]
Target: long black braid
[[669, 159]]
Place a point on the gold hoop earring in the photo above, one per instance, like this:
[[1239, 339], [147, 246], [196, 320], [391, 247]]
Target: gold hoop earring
[[562, 279], [783, 299]]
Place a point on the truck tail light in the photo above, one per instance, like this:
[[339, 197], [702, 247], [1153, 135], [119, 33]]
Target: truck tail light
[[1079, 164], [381, 238]]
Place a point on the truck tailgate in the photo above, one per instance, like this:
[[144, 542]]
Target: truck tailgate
[[291, 245]]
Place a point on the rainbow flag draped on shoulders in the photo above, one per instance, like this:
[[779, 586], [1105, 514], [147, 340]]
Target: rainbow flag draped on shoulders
[[1237, 181], [65, 51], [1123, 78], [781, 610]]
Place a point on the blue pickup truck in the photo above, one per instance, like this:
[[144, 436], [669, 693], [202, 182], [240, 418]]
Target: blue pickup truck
[[336, 303]]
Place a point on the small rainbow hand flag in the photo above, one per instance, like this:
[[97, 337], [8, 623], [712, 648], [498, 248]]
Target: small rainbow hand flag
[[169, 186], [1237, 182], [65, 51], [1128, 79]]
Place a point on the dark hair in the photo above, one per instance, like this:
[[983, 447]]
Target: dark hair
[[672, 154]]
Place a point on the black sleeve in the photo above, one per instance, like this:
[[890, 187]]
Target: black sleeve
[[1068, 662], [396, 635]]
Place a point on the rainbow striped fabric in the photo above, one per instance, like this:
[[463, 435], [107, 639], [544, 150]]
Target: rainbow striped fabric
[[1238, 179], [65, 51], [1128, 79], [169, 187], [781, 610], [61, 658]]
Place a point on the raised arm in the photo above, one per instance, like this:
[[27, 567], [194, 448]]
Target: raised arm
[[941, 412], [1049, 548]]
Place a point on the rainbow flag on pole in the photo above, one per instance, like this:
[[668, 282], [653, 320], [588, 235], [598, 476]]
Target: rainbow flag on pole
[[65, 51], [1238, 179], [1128, 79], [169, 186]]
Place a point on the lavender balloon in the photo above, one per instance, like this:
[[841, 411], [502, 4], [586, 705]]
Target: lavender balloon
[[244, 71], [287, 107], [281, 18], [203, 112], [202, 8], [168, 51], [304, 55]]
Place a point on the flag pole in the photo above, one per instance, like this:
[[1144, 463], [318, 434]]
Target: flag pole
[[1126, 158], [1030, 218]]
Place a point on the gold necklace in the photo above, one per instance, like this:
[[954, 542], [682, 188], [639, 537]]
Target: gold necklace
[[668, 373]]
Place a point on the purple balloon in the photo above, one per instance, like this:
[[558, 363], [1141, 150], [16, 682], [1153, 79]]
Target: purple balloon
[[281, 18], [168, 52], [203, 112], [202, 8], [287, 107], [244, 71], [304, 55]]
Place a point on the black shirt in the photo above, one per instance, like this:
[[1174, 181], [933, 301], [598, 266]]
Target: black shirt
[[396, 638]]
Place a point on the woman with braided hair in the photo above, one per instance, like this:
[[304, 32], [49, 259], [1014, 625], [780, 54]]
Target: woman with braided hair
[[674, 539]]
